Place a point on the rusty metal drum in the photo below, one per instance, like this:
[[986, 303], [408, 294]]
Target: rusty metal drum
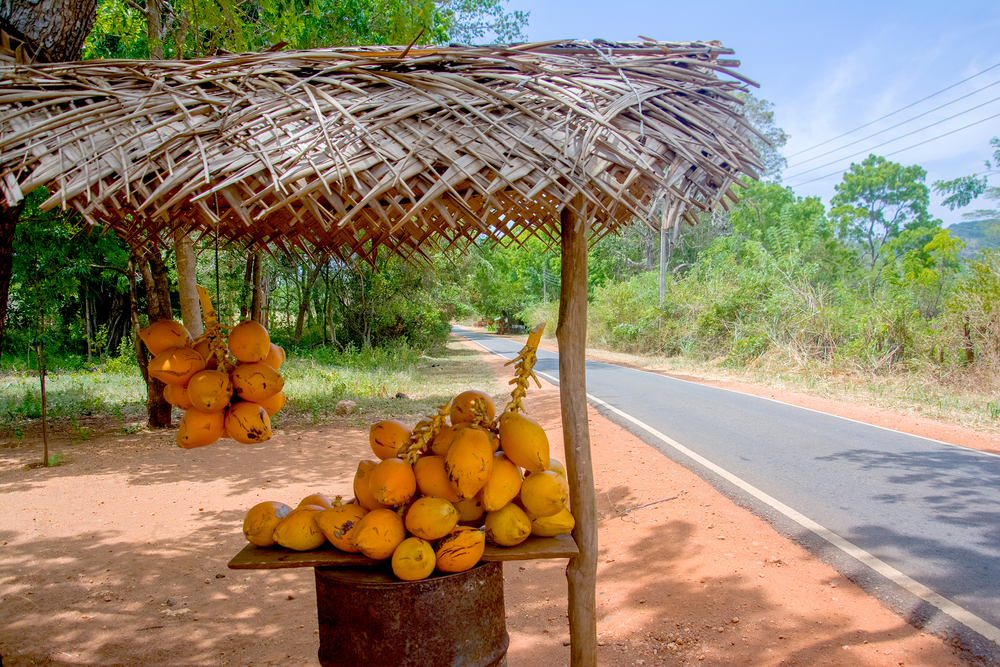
[[369, 618]]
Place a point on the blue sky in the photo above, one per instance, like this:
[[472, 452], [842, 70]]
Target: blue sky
[[831, 67]]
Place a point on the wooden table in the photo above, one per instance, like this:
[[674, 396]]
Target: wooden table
[[276, 558]]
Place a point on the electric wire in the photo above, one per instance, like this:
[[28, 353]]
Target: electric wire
[[908, 106], [926, 141], [875, 134], [889, 141]]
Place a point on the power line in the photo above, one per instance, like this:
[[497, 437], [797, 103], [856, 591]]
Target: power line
[[860, 127], [927, 141], [902, 136], [875, 134]]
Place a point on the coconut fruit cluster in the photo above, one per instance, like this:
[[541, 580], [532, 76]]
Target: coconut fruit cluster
[[434, 493], [228, 388]]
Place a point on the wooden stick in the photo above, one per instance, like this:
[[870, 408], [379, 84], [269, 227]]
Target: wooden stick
[[581, 573]]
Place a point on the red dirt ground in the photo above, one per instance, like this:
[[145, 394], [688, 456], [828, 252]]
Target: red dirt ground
[[118, 557]]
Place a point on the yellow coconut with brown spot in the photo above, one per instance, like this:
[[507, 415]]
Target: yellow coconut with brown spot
[[163, 335], [468, 462], [463, 407], [392, 482], [432, 478], [524, 441], [275, 356], [544, 493], [256, 381], [261, 520], [248, 423], [378, 533], [460, 549], [338, 525], [387, 437], [177, 396], [413, 559], [442, 441], [176, 365], [470, 511], [431, 518], [249, 342], [560, 523], [508, 526], [298, 530], [503, 484], [210, 391], [199, 429], [274, 403], [319, 499], [362, 486]]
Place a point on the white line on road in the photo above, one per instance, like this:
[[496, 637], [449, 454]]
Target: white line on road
[[918, 589]]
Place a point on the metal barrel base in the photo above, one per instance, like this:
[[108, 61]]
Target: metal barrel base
[[369, 618]]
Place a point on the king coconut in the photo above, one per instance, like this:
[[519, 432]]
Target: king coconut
[[435, 493], [227, 384]]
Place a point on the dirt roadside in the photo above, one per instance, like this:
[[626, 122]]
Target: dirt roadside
[[119, 558]]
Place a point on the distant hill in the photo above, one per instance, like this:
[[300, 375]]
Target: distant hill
[[977, 235]]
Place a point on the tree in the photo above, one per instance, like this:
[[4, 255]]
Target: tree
[[51, 31], [760, 113], [877, 199], [961, 191]]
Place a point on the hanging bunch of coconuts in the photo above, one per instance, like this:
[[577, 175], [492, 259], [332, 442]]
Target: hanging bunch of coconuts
[[438, 490], [227, 385]]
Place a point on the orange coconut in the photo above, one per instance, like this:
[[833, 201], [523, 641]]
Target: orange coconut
[[177, 396], [163, 335], [469, 461], [432, 478], [261, 520], [460, 549], [413, 559], [210, 391], [338, 524], [176, 365], [392, 482], [275, 356], [249, 342], [248, 423], [198, 429], [274, 403], [362, 488], [378, 533], [524, 441], [299, 531], [503, 484], [256, 381], [387, 436], [431, 518], [462, 407]]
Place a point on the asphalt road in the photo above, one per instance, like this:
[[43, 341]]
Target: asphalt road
[[915, 521]]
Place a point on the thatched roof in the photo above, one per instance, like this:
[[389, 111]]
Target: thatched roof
[[354, 149]]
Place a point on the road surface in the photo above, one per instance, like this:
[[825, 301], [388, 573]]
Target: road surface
[[915, 521]]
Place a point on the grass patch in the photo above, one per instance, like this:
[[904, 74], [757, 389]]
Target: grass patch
[[54, 460]]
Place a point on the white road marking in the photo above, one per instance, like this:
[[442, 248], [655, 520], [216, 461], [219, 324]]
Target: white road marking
[[906, 582]]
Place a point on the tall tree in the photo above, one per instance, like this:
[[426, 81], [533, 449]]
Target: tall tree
[[877, 199], [52, 31], [760, 113]]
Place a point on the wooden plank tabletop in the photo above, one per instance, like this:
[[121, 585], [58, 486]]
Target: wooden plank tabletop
[[276, 558]]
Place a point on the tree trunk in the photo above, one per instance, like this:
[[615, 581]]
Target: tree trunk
[[256, 303], [187, 282], [154, 274], [40, 353], [154, 30], [581, 573], [54, 30], [305, 304], [9, 216]]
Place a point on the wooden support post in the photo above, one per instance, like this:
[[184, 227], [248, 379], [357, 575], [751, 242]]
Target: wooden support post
[[571, 333]]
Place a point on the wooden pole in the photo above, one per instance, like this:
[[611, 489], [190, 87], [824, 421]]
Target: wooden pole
[[581, 573]]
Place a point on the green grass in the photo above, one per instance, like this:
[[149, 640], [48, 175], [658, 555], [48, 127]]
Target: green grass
[[314, 382]]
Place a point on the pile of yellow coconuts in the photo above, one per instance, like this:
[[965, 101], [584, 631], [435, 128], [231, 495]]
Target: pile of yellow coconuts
[[228, 386], [438, 491]]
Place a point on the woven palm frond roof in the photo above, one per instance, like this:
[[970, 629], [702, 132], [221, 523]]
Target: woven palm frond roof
[[351, 150]]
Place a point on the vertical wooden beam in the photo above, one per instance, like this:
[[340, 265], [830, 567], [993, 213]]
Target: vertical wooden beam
[[571, 333]]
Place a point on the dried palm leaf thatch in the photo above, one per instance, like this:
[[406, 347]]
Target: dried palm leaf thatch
[[353, 150]]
